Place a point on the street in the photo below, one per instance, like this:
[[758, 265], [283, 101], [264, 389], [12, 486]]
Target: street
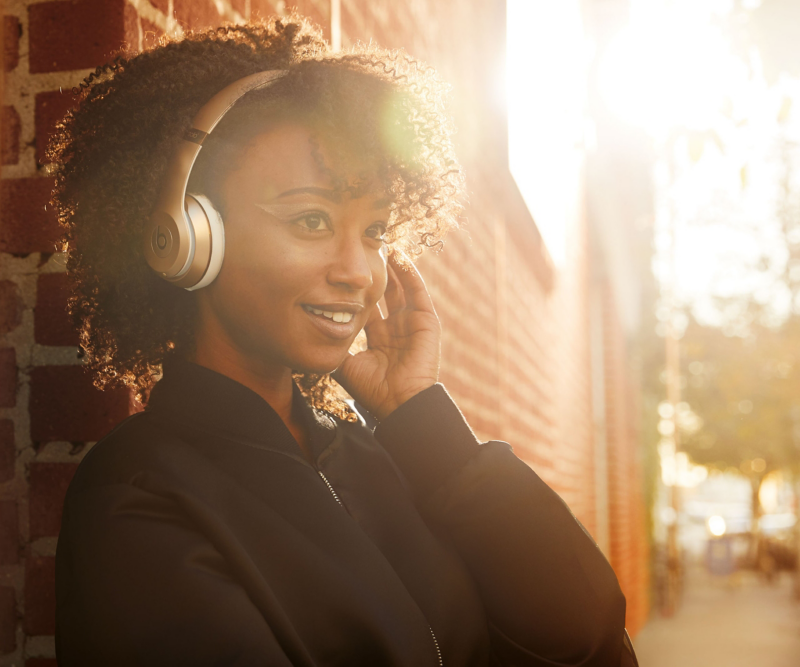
[[735, 622]]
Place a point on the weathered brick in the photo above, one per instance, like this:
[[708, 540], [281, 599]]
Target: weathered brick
[[8, 619], [263, 8], [10, 306], [9, 142], [150, 33], [9, 529], [311, 10], [8, 377], [26, 226], [196, 14], [130, 21], [11, 35], [40, 596], [9, 533], [64, 405], [48, 483], [49, 108], [51, 322], [8, 450], [69, 35]]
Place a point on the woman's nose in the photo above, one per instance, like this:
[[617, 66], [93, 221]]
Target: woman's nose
[[351, 267]]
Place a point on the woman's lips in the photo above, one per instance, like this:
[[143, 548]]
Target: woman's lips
[[337, 330]]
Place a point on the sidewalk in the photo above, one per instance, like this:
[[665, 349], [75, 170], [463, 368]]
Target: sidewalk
[[738, 623]]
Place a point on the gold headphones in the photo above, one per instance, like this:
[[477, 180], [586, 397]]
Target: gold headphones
[[184, 239]]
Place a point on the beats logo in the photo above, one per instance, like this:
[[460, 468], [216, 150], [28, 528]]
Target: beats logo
[[161, 241]]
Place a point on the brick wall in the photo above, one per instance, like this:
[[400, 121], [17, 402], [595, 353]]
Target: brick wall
[[516, 346], [628, 550]]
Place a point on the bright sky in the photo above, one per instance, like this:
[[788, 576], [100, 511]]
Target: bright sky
[[713, 119]]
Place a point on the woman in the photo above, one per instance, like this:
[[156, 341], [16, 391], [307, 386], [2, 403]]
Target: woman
[[248, 516]]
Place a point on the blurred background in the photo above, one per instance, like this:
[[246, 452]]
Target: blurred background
[[622, 303]]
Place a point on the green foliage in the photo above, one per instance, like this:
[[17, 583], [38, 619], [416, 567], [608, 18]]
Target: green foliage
[[746, 391]]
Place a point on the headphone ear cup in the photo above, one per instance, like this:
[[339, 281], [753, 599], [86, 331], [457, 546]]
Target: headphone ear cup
[[217, 238]]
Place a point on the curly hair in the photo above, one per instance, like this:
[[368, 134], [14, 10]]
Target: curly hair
[[382, 108]]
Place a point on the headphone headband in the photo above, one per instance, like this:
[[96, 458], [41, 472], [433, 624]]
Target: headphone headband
[[173, 246]]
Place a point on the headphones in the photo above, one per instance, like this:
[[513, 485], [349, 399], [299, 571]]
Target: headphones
[[184, 239]]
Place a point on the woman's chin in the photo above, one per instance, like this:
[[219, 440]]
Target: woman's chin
[[319, 367]]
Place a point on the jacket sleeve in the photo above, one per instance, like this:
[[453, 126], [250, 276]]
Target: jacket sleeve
[[549, 593], [137, 585]]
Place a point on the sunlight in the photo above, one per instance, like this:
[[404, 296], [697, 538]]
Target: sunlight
[[669, 67], [546, 93], [716, 525], [715, 124]]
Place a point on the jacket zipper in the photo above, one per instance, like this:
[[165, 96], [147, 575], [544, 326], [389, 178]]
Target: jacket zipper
[[338, 500], [436, 644], [330, 488]]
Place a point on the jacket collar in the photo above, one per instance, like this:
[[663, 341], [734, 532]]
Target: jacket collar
[[205, 400]]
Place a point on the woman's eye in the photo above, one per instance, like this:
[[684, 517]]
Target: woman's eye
[[376, 231], [313, 221]]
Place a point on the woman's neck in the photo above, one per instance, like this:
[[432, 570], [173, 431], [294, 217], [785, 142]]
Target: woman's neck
[[272, 382]]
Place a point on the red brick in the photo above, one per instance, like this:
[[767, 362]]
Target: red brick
[[9, 533], [264, 8], [196, 14], [8, 620], [311, 11], [8, 377], [51, 322], [48, 484], [9, 142], [74, 35], [49, 108], [131, 26], [40, 596], [11, 35], [64, 405], [26, 226], [8, 450], [10, 306], [150, 33]]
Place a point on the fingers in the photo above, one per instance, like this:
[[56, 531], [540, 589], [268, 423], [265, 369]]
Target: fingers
[[395, 299], [339, 374], [415, 293], [375, 315]]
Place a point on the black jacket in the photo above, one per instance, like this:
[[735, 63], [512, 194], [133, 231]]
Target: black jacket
[[196, 533]]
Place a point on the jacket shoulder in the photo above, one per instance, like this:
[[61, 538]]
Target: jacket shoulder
[[136, 445]]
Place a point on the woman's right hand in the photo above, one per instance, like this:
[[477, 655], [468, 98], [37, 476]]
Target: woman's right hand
[[404, 348]]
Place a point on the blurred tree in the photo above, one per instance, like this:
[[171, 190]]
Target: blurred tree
[[744, 394], [742, 380]]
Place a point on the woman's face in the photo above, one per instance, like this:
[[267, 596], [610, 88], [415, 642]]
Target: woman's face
[[304, 265]]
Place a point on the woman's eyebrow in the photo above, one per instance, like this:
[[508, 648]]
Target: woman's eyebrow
[[331, 195]]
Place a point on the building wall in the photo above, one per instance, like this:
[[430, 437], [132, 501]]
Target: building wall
[[516, 344]]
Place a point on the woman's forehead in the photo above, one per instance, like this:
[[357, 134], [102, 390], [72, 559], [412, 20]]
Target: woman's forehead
[[291, 158]]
